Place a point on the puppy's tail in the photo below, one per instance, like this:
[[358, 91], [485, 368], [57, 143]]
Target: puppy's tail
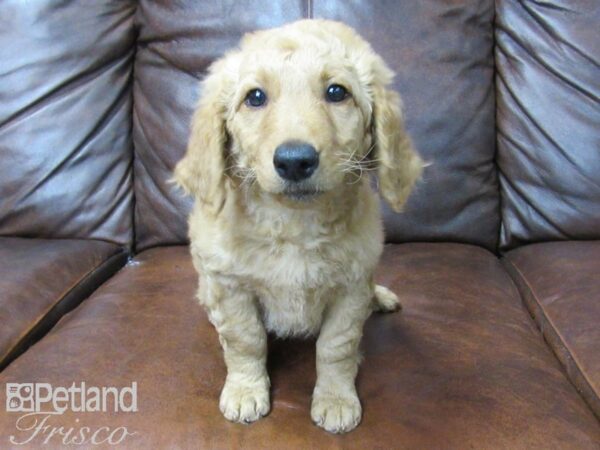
[[385, 300]]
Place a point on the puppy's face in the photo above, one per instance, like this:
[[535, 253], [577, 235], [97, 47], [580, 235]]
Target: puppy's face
[[297, 112], [299, 121]]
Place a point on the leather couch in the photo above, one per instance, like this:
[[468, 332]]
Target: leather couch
[[496, 257]]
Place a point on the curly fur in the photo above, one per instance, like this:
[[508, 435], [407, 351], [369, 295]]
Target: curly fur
[[269, 262]]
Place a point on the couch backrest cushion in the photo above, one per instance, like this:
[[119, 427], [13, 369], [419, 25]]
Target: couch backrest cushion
[[442, 53], [65, 119], [548, 89], [176, 44]]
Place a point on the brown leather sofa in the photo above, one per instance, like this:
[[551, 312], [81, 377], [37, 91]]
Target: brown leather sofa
[[496, 258]]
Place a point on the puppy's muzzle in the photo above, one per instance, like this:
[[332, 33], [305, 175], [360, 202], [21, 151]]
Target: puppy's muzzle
[[295, 161]]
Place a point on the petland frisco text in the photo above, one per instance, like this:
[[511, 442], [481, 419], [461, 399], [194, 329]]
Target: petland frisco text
[[43, 405]]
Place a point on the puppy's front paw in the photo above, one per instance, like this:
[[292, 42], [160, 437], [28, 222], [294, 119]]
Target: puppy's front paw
[[336, 413], [244, 402]]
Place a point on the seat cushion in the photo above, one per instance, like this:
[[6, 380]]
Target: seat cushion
[[560, 284], [462, 366], [42, 279]]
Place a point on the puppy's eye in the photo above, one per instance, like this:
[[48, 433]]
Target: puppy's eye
[[255, 98], [336, 93]]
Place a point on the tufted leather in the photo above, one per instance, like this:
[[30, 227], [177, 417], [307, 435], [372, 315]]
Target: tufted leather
[[65, 114], [95, 102], [442, 53], [548, 61], [177, 43], [446, 72]]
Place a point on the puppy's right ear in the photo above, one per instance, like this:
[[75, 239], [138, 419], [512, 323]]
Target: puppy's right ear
[[201, 172], [399, 164]]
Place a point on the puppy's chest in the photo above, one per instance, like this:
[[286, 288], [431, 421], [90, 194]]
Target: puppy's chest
[[293, 266], [293, 283], [289, 312]]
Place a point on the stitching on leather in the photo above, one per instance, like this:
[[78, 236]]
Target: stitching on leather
[[23, 336], [550, 324]]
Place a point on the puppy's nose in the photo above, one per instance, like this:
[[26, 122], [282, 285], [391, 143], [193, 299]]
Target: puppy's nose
[[295, 161]]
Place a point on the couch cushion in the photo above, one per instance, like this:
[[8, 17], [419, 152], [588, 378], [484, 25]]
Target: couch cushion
[[462, 366], [561, 286], [442, 53], [65, 119], [177, 42], [547, 56], [446, 72], [40, 280]]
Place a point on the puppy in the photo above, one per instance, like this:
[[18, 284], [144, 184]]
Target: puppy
[[286, 231]]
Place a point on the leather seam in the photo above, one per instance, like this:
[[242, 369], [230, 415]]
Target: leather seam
[[549, 324], [24, 336]]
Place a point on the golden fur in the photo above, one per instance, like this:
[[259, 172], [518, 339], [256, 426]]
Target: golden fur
[[271, 262]]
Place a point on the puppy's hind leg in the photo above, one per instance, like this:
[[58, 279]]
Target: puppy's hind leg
[[385, 300]]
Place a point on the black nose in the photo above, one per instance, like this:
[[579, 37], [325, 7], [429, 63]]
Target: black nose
[[295, 161]]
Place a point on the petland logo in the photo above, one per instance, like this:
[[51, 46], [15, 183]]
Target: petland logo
[[42, 403]]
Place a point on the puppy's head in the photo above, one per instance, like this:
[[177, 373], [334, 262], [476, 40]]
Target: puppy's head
[[297, 112]]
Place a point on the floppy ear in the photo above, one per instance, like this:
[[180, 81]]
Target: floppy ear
[[201, 172], [399, 165]]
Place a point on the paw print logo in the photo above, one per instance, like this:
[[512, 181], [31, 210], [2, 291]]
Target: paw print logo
[[19, 397]]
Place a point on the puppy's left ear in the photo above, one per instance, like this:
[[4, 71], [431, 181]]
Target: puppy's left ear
[[399, 165], [201, 172]]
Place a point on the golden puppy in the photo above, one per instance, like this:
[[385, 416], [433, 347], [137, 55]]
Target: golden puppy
[[286, 231]]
